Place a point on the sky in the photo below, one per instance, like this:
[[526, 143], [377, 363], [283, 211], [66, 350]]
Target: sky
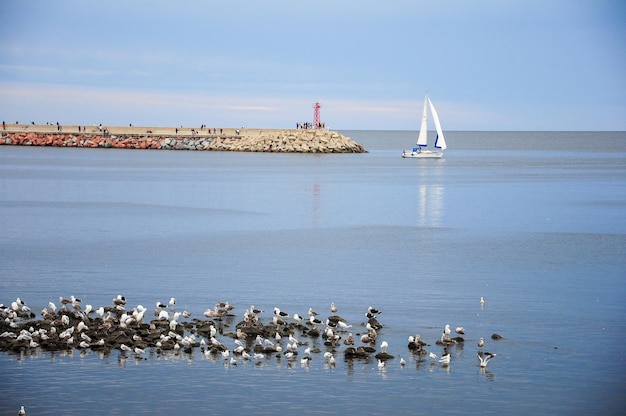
[[486, 64]]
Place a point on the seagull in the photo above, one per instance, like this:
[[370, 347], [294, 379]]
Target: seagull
[[373, 311], [445, 359], [482, 301], [119, 300], [312, 312], [22, 412], [333, 308], [484, 358], [172, 301], [161, 305], [432, 356], [402, 362], [481, 342], [381, 365], [446, 330], [52, 306], [384, 346], [460, 330], [343, 325]]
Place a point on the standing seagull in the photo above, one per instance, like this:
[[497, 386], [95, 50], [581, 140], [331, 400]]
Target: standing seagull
[[484, 358]]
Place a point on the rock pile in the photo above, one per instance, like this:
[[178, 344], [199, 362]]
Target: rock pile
[[99, 140], [290, 141]]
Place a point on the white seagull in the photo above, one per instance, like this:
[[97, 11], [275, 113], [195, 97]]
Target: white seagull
[[481, 342], [484, 358], [445, 359]]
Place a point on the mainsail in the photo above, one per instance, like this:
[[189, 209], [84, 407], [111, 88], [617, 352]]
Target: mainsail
[[422, 139]]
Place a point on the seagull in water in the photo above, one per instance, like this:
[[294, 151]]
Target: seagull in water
[[481, 342], [484, 358]]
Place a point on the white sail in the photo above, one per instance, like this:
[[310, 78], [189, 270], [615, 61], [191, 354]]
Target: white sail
[[421, 149], [440, 142], [422, 139]]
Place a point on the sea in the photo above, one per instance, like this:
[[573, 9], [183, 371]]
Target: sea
[[533, 222]]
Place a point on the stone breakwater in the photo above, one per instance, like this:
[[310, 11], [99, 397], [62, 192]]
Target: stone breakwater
[[248, 140], [112, 141], [289, 141]]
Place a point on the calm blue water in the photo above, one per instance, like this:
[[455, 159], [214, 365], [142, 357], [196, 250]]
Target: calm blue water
[[534, 222]]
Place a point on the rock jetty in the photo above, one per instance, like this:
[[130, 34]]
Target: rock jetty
[[237, 140], [289, 141]]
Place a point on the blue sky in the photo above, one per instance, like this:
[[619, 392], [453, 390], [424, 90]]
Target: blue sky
[[487, 65]]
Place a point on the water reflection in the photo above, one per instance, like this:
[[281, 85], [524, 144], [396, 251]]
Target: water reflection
[[430, 196], [486, 373], [316, 204]]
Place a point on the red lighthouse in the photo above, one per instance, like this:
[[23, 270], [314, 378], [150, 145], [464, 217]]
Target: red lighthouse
[[316, 115]]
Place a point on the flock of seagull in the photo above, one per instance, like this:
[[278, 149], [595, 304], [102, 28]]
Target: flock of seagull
[[259, 335]]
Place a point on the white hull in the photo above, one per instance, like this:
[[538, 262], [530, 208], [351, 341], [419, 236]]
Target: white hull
[[424, 154]]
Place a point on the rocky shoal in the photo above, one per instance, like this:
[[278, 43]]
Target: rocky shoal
[[255, 335], [285, 141]]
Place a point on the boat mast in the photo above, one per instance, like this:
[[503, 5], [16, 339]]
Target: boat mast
[[422, 139]]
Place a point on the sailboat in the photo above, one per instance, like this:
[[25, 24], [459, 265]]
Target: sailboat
[[421, 149]]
